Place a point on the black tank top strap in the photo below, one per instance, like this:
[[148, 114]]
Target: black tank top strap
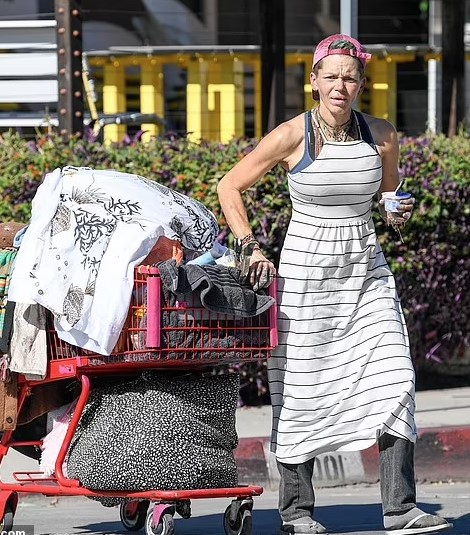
[[366, 134], [309, 154], [310, 135]]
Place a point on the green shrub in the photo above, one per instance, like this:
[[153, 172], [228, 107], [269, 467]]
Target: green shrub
[[432, 266]]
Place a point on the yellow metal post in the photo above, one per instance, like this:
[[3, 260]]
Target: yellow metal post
[[152, 99], [235, 68], [114, 99], [308, 99], [258, 96], [383, 88], [211, 122], [196, 98]]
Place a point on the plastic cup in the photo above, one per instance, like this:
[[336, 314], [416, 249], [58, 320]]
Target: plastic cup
[[392, 200]]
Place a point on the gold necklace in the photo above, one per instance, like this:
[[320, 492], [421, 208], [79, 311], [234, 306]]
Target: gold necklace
[[342, 132]]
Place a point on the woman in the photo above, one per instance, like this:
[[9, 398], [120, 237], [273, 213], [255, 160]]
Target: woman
[[341, 378]]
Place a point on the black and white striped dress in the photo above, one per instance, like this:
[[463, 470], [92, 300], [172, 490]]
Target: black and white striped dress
[[342, 373]]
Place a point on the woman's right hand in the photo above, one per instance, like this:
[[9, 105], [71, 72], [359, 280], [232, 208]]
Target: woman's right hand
[[261, 271]]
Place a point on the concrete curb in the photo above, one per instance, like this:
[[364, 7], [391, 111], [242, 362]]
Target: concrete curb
[[441, 455]]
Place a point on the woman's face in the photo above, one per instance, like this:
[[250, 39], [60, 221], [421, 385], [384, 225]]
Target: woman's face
[[338, 82]]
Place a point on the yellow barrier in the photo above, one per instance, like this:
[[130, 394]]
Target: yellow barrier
[[114, 97], [216, 89], [152, 97], [215, 99]]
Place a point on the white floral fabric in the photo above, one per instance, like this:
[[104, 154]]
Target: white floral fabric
[[89, 229]]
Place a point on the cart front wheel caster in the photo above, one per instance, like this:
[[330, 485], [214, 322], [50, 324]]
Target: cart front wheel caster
[[242, 523], [133, 514], [166, 526], [7, 521]]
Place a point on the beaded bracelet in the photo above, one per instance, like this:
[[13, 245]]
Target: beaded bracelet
[[246, 239], [241, 243], [247, 242], [250, 246]]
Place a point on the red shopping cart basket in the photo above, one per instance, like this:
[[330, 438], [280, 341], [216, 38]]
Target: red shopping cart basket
[[162, 331]]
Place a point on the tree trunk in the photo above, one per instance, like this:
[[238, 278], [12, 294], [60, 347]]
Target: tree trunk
[[272, 31], [453, 65]]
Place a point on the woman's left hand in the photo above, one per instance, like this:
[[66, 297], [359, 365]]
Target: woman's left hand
[[404, 213]]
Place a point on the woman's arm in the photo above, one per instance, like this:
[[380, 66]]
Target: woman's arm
[[275, 148], [278, 147], [386, 138]]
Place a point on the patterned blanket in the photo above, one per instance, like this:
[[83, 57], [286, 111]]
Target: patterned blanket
[[158, 432]]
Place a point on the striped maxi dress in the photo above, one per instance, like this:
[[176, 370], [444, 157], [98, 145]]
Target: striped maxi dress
[[342, 373]]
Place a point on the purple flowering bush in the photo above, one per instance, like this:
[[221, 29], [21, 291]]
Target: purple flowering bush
[[432, 266]]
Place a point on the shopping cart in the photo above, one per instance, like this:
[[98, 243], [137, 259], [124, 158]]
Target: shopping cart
[[158, 334]]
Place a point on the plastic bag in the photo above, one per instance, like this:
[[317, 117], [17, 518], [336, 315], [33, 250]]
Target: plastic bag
[[52, 442]]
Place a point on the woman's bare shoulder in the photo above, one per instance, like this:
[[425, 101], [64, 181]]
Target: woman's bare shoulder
[[382, 130], [287, 137], [290, 131]]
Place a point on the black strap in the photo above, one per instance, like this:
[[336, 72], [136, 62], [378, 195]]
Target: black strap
[[311, 136], [365, 130]]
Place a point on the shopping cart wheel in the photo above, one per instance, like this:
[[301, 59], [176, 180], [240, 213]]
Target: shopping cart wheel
[[133, 514], [7, 521], [166, 526], [237, 518]]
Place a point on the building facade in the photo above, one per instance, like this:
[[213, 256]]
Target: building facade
[[203, 61]]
